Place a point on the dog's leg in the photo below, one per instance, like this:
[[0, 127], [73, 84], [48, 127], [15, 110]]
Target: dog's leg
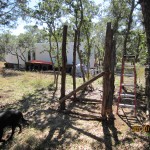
[[13, 131], [1, 134], [19, 128]]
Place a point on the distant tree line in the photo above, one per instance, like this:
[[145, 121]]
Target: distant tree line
[[84, 16]]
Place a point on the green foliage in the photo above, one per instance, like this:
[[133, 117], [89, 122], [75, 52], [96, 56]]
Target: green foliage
[[51, 87], [10, 11], [39, 35], [4, 39], [57, 13], [118, 13], [6, 42], [17, 45]]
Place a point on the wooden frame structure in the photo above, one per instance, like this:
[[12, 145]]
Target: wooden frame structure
[[107, 74]]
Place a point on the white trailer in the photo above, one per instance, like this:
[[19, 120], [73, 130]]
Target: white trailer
[[41, 53]]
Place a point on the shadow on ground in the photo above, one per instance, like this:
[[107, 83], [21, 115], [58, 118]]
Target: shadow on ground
[[78, 127]]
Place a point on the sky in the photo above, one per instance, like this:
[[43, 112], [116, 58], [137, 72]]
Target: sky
[[21, 23]]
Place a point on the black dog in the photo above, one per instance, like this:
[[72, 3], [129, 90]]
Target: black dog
[[13, 119]]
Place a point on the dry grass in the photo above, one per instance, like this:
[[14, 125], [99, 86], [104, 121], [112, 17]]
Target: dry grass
[[78, 128]]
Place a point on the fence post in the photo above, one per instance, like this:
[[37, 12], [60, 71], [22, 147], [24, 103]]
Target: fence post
[[108, 78]]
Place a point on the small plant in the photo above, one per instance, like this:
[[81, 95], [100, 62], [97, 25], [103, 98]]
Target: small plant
[[51, 87]]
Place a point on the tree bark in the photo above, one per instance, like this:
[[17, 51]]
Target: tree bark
[[145, 4], [74, 63], [79, 54], [128, 28], [57, 55], [63, 71], [78, 36], [108, 83], [18, 64], [50, 54]]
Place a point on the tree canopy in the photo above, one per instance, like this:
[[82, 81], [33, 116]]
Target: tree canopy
[[126, 18], [11, 10]]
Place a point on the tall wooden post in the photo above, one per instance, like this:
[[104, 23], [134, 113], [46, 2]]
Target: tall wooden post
[[74, 63], [112, 81], [145, 4], [63, 70], [108, 76]]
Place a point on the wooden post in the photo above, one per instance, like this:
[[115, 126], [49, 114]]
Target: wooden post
[[63, 70], [74, 63], [145, 4], [108, 76], [81, 87], [147, 93], [112, 81]]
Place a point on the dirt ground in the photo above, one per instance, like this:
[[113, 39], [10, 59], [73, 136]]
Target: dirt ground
[[78, 128]]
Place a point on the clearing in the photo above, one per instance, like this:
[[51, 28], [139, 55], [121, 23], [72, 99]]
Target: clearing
[[77, 129]]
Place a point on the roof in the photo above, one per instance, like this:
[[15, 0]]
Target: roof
[[40, 62]]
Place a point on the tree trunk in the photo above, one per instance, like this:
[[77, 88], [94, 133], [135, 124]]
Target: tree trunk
[[88, 55], [74, 63], [18, 63], [79, 54], [138, 48], [78, 37], [63, 71], [50, 54], [58, 59], [128, 28]]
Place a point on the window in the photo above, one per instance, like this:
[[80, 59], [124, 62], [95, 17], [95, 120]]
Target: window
[[29, 56], [33, 55]]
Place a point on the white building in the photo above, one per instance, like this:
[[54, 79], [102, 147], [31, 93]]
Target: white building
[[41, 53]]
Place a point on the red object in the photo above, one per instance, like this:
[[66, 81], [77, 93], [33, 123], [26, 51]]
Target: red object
[[123, 94], [40, 62]]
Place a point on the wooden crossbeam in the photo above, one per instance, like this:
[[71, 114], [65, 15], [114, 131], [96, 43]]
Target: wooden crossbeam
[[81, 87]]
